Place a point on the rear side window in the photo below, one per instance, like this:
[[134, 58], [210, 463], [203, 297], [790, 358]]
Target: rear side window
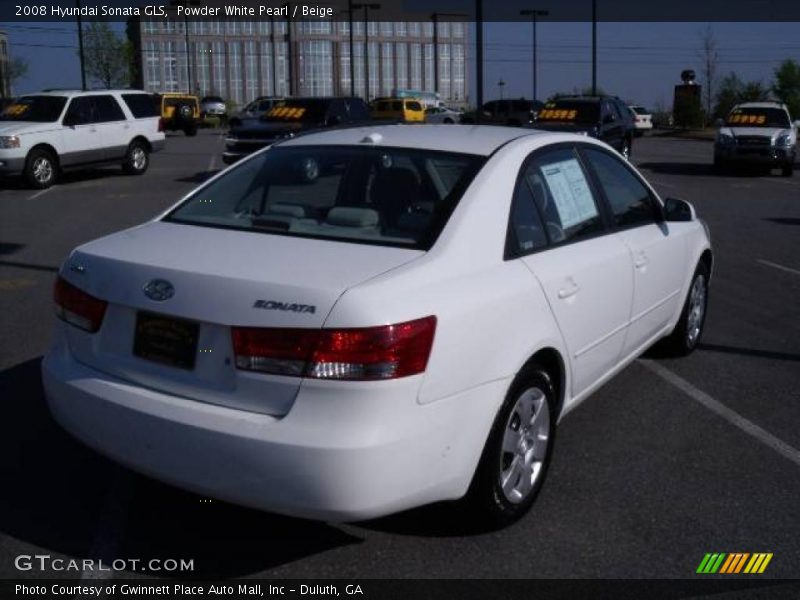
[[141, 106], [381, 196], [630, 201], [561, 191], [106, 109], [526, 230]]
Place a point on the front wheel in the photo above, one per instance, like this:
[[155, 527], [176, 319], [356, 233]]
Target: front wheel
[[687, 333], [514, 462], [137, 159], [41, 169], [787, 170]]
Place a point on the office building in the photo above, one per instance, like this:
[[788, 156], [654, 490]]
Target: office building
[[240, 60]]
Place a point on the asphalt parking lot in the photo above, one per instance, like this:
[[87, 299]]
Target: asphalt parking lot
[[670, 460]]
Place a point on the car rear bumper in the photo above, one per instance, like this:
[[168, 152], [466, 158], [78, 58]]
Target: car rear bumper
[[344, 452]]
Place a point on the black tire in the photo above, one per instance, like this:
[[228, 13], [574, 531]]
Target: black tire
[[190, 129], [184, 111], [448, 121], [684, 339], [720, 166], [41, 168], [137, 158], [487, 498], [787, 170]]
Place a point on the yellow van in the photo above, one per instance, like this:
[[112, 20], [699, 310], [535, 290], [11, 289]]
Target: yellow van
[[408, 110]]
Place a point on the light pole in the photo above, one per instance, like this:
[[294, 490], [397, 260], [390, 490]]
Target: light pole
[[184, 4], [501, 84], [367, 8], [80, 44], [594, 47], [533, 13], [479, 58], [435, 18]]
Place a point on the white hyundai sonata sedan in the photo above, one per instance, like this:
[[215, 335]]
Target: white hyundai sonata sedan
[[356, 322]]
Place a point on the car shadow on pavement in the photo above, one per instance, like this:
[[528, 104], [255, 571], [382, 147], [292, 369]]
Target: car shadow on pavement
[[198, 177], [770, 354], [443, 519], [784, 220], [697, 169], [57, 492]]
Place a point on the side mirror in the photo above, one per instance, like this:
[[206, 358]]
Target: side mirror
[[71, 120], [486, 113], [718, 123], [677, 210]]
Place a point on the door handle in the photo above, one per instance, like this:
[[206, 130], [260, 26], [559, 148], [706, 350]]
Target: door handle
[[641, 261], [570, 290]]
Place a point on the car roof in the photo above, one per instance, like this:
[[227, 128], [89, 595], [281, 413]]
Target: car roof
[[760, 105], [469, 139], [76, 92]]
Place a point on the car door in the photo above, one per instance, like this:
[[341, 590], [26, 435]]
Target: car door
[[113, 128], [81, 140], [658, 256], [612, 125], [586, 271]]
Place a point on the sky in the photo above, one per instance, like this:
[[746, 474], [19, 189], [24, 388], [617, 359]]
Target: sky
[[639, 62]]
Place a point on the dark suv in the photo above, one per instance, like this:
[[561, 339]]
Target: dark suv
[[606, 118], [506, 112], [289, 118]]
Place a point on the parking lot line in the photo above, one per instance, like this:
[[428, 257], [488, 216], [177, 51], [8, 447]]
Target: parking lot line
[[40, 193], [731, 416], [777, 266]]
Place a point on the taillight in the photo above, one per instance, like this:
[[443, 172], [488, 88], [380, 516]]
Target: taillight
[[357, 354], [78, 308]]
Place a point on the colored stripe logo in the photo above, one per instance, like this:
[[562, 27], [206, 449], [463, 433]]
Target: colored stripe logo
[[734, 562]]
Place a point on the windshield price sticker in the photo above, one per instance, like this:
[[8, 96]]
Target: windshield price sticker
[[14, 110], [747, 119], [559, 114], [287, 112]]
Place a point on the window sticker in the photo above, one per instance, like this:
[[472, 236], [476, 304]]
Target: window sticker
[[558, 114], [570, 192], [745, 119]]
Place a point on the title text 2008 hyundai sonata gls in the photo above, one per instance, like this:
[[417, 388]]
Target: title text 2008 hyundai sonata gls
[[356, 322]]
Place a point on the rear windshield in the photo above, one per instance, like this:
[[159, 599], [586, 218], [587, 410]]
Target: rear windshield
[[212, 99], [41, 109], [571, 111], [640, 110], [758, 117], [379, 196], [307, 110]]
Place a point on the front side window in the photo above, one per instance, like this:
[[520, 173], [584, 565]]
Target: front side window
[[80, 111], [561, 190], [381, 196], [630, 201]]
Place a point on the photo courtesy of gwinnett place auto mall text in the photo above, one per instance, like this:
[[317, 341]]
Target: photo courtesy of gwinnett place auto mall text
[[400, 299]]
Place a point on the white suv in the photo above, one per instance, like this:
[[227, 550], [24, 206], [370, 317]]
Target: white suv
[[42, 134], [758, 133]]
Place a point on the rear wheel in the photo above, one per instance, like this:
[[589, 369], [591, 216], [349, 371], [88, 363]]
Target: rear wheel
[[787, 170], [514, 462], [190, 129], [687, 333], [137, 159], [41, 168]]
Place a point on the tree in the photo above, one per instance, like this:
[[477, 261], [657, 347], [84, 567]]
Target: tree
[[16, 69], [107, 56], [710, 56], [787, 86], [728, 94]]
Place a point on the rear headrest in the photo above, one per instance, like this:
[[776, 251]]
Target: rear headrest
[[346, 216], [396, 181], [288, 210]]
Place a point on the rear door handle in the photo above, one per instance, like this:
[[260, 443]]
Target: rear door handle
[[571, 289], [641, 260]]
